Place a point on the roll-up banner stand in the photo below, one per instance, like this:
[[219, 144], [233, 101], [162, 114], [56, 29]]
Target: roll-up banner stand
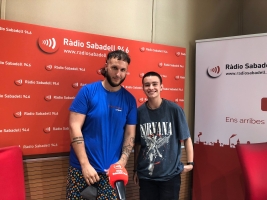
[[230, 109], [43, 68]]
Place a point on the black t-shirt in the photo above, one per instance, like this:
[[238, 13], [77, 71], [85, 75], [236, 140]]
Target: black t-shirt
[[159, 132]]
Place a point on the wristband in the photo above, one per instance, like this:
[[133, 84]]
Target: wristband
[[190, 163]]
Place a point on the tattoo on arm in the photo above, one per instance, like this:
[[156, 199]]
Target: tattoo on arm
[[126, 150], [123, 159], [132, 140], [78, 140]]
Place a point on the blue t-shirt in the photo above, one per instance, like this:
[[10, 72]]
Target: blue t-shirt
[[107, 114]]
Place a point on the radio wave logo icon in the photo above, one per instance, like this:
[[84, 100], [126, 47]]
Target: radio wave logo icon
[[214, 72], [49, 67], [75, 85], [142, 49], [48, 45], [141, 100], [177, 77], [160, 65], [98, 72], [48, 98], [176, 100], [17, 114], [178, 54], [47, 130], [18, 82]]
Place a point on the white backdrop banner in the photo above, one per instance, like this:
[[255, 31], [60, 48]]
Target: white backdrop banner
[[230, 109], [231, 90]]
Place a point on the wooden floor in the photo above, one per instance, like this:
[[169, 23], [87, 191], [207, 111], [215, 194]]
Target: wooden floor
[[45, 179]]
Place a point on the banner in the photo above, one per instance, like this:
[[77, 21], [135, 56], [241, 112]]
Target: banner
[[43, 68], [230, 109]]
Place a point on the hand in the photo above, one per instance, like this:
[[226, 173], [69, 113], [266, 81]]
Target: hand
[[187, 168], [119, 163], [89, 174], [135, 178]]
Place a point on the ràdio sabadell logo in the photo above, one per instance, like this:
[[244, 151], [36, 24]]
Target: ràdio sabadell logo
[[48, 97], [75, 85], [48, 44], [17, 114], [49, 67], [214, 72], [142, 49], [18, 82], [47, 130]]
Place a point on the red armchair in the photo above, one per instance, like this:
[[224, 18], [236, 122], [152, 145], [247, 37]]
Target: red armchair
[[253, 160], [12, 185]]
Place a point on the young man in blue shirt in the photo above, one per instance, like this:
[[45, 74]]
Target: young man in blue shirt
[[102, 120]]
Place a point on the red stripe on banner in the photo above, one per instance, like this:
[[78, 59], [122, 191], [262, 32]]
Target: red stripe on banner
[[264, 104]]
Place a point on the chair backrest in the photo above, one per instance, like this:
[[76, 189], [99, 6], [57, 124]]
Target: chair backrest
[[253, 160], [12, 186]]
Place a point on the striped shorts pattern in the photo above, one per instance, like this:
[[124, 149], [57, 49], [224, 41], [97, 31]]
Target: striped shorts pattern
[[76, 183]]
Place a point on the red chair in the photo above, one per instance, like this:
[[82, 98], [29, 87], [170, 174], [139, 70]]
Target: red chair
[[12, 186], [253, 160]]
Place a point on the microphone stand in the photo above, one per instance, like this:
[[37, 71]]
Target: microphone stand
[[120, 190]]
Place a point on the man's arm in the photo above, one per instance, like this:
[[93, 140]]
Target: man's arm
[[128, 144], [189, 154], [76, 121]]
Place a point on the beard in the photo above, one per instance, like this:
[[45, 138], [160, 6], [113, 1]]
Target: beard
[[112, 83]]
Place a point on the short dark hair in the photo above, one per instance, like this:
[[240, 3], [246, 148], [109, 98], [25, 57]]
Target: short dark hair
[[120, 55], [152, 74]]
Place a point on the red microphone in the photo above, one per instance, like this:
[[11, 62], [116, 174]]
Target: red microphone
[[118, 178]]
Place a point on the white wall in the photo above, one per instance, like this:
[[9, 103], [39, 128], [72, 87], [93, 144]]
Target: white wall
[[181, 22], [125, 19]]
